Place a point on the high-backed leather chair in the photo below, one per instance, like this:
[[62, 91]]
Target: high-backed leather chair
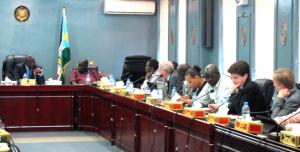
[[90, 67], [134, 68], [298, 86], [267, 89], [9, 64]]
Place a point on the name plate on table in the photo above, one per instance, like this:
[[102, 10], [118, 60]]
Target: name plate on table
[[53, 82], [4, 134], [153, 101], [290, 138], [4, 147], [218, 119], [121, 90], [8, 83], [27, 82], [175, 106], [138, 95], [104, 85], [248, 126], [194, 112]]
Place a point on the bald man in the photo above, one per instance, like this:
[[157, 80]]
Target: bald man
[[217, 100], [79, 76], [31, 69]]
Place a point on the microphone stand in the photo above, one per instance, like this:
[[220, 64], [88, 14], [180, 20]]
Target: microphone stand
[[279, 125], [125, 75], [139, 79], [153, 84], [211, 91]]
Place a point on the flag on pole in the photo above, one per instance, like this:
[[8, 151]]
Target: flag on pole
[[64, 54]]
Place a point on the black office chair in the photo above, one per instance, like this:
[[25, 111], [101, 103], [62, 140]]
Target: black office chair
[[9, 65], [298, 86], [267, 89], [90, 67], [134, 69]]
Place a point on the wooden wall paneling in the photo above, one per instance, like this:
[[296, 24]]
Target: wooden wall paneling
[[55, 109], [173, 30], [152, 135], [18, 109], [286, 35], [125, 130], [86, 104]]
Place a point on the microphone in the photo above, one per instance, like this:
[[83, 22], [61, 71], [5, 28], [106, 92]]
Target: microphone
[[268, 112], [262, 112], [227, 100], [210, 91], [153, 84], [139, 79], [127, 74]]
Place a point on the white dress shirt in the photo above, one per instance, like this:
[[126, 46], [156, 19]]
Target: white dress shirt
[[153, 78], [222, 91]]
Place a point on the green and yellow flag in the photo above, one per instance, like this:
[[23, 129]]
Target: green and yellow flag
[[64, 54]]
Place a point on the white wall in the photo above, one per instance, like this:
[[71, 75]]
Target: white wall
[[264, 38], [298, 47], [229, 34], [182, 32], [162, 53]]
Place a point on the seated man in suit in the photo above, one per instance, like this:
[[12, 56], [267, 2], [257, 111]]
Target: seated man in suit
[[79, 76], [166, 69], [292, 118], [287, 100], [29, 69]]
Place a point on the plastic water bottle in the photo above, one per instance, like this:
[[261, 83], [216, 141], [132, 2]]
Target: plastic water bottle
[[128, 82], [129, 86], [25, 76], [2, 126], [112, 80], [246, 111], [160, 94], [185, 88], [173, 91], [88, 78]]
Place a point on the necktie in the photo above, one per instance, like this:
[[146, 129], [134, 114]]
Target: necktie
[[29, 74]]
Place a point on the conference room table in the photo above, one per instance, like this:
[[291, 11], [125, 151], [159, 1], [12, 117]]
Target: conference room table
[[127, 123]]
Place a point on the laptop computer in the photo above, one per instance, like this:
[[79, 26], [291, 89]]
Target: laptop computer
[[160, 85]]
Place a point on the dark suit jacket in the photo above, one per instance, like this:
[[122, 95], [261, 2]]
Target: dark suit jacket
[[20, 69], [174, 82], [252, 95]]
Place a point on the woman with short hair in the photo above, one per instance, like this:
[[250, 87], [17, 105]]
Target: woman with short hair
[[244, 90]]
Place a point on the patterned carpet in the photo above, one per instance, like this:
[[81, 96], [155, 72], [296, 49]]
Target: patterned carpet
[[64, 141]]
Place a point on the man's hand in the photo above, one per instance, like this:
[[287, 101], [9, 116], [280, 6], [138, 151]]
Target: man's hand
[[283, 93], [213, 107], [148, 76], [37, 71], [186, 100], [235, 87]]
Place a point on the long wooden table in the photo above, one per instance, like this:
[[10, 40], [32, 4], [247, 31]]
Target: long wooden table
[[126, 123]]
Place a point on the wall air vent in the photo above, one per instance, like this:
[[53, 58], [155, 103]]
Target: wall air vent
[[135, 7], [241, 2]]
